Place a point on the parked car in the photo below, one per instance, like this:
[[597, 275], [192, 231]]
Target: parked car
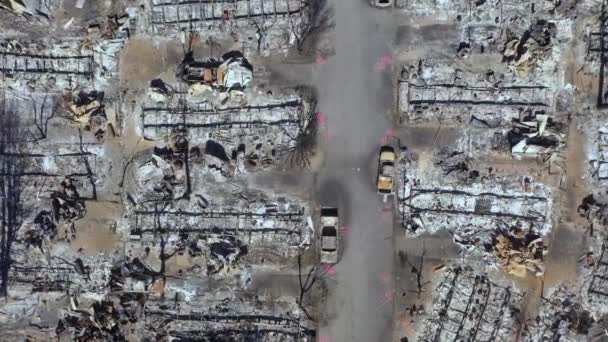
[[329, 235], [386, 170]]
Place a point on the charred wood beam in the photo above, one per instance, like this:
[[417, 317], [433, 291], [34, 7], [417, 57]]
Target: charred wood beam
[[11, 210], [222, 18], [599, 288], [291, 216], [41, 269], [465, 193], [480, 103], [466, 309], [85, 161], [229, 124], [184, 109], [223, 231], [600, 98], [39, 155], [201, 317], [473, 213], [196, 2], [447, 301], [483, 310], [46, 174], [40, 64], [465, 87], [209, 335]]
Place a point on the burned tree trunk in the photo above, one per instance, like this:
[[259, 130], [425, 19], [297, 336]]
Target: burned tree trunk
[[10, 193], [42, 114], [306, 140]]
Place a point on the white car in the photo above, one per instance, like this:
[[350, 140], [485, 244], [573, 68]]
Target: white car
[[382, 3], [329, 235]]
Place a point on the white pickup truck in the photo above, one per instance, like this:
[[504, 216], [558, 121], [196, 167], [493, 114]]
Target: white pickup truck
[[329, 235]]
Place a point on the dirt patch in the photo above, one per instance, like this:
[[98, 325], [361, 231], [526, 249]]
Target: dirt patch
[[575, 171], [94, 233], [144, 60]]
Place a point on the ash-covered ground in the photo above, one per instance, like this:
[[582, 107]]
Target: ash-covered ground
[[163, 165], [132, 135]]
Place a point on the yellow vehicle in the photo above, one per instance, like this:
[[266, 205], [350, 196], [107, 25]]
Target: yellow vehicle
[[386, 170]]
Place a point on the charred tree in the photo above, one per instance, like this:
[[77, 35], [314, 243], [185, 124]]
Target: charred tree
[[42, 114], [11, 211], [316, 274], [306, 139]]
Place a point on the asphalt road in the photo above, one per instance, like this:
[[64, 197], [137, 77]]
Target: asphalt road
[[355, 94]]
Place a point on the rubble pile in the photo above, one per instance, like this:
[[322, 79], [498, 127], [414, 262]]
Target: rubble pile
[[30, 8], [104, 320], [224, 252], [560, 317], [233, 138], [533, 46], [230, 319], [594, 292], [430, 207], [598, 155], [595, 210], [536, 135], [258, 26], [469, 306], [231, 71], [87, 110], [252, 218], [518, 251], [80, 262]]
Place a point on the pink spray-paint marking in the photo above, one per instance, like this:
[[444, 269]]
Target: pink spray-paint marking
[[388, 296], [321, 60], [321, 118], [328, 136], [389, 135], [384, 278], [384, 63], [324, 339], [330, 269], [344, 231]]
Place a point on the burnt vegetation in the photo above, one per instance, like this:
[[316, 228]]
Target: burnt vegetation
[[11, 206]]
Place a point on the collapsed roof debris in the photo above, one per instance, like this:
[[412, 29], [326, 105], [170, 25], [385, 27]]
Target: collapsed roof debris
[[519, 251], [252, 135], [484, 214], [88, 111], [224, 252], [534, 45], [231, 71], [595, 210], [536, 135], [469, 306]]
